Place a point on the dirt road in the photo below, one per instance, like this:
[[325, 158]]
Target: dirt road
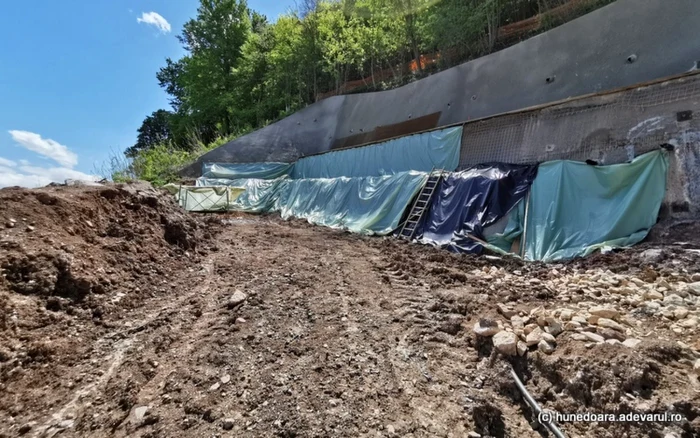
[[272, 328]]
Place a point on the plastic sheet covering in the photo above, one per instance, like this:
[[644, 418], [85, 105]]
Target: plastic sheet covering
[[245, 170], [421, 152], [469, 201], [367, 205], [260, 195], [575, 208], [203, 199]]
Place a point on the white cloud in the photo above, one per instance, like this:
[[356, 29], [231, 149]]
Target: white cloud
[[24, 162], [46, 147], [4, 162], [31, 176], [155, 19]]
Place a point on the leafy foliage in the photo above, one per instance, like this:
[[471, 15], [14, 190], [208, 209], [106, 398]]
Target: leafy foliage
[[241, 72]]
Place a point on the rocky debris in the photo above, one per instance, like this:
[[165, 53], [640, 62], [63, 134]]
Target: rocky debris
[[603, 312], [631, 342], [534, 337], [506, 311], [486, 327], [545, 347], [608, 333], [653, 255], [225, 379], [696, 367], [139, 413], [236, 299], [694, 288], [506, 343], [592, 337], [610, 324], [228, 423]]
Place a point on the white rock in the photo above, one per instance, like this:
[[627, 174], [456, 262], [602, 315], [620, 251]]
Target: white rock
[[637, 281], [566, 314], [579, 319], [612, 341], [549, 338], [689, 323], [237, 298], [517, 322], [680, 313], [696, 367], [673, 299], [694, 288], [593, 337], [631, 342], [506, 310], [529, 328], [653, 295], [522, 348], [486, 328], [554, 328], [593, 319], [506, 343], [603, 311], [534, 337], [609, 323], [572, 326], [545, 347]]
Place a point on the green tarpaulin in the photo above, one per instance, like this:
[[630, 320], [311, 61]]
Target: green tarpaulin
[[575, 209], [368, 205], [245, 170], [421, 152]]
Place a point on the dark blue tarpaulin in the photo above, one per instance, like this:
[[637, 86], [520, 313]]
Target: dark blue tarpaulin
[[471, 200]]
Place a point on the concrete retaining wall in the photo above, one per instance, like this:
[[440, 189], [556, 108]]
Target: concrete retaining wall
[[627, 42]]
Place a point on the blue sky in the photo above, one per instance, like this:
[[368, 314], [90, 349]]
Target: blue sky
[[77, 77]]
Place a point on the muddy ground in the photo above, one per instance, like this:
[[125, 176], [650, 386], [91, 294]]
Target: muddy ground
[[122, 316]]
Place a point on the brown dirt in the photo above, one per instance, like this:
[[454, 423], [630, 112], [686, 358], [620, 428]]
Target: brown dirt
[[116, 321]]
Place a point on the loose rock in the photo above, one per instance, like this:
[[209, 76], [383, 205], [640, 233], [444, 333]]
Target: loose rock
[[486, 327], [609, 323], [506, 343], [237, 298], [603, 312], [631, 342], [593, 337], [545, 347], [534, 337]]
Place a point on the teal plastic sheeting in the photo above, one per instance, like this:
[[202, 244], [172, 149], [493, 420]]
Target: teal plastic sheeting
[[245, 170], [421, 152], [575, 208], [260, 195], [369, 205]]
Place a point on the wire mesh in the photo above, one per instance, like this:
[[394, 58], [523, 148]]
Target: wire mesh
[[605, 128]]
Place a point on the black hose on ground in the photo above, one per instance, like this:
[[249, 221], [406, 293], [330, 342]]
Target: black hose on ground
[[549, 424]]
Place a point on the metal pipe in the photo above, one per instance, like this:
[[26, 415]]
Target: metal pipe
[[551, 425]]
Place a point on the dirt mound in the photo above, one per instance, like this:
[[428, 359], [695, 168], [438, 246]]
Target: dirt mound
[[147, 328], [70, 255]]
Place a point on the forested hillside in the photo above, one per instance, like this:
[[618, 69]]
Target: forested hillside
[[242, 71]]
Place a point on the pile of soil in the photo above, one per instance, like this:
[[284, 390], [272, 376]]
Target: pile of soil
[[124, 316]]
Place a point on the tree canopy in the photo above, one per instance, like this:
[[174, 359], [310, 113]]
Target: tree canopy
[[241, 71]]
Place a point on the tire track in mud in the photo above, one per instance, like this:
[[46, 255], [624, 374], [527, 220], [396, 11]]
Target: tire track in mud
[[118, 343]]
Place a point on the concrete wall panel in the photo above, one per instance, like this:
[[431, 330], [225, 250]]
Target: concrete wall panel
[[584, 56]]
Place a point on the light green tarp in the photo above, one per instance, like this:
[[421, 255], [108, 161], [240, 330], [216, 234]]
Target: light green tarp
[[575, 209], [420, 152], [368, 205], [260, 195], [207, 198], [245, 170]]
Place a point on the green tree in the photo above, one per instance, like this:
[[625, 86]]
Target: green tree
[[154, 130]]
